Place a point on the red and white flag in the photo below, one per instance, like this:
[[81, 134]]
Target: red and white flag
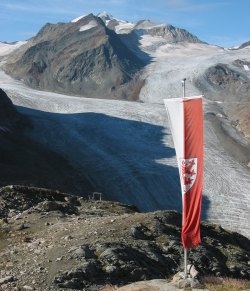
[[186, 121]]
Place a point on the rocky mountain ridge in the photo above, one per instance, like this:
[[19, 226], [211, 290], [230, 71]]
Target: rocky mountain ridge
[[83, 58], [89, 244], [146, 27], [88, 58], [168, 32]]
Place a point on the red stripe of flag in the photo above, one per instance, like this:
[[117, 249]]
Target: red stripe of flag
[[193, 149]]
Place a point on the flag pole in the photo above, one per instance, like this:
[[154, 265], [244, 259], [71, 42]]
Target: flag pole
[[185, 264], [183, 87], [185, 250]]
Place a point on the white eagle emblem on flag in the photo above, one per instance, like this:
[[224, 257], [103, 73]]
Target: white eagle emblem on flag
[[188, 173]]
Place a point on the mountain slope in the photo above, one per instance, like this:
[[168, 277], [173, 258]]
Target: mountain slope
[[126, 147], [82, 57], [153, 34], [86, 58], [170, 33]]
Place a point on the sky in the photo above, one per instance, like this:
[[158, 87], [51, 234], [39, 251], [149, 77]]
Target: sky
[[222, 22]]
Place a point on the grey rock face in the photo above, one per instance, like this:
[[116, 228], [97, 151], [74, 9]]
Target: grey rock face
[[21, 198], [83, 58], [64, 207], [83, 252], [139, 232]]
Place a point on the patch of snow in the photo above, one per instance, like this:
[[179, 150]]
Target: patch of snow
[[233, 48], [7, 48], [147, 24], [88, 26], [105, 15], [78, 18], [151, 43], [246, 67], [124, 27]]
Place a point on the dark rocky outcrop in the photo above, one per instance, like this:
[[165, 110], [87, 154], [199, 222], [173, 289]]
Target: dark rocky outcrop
[[83, 58], [20, 198], [9, 117]]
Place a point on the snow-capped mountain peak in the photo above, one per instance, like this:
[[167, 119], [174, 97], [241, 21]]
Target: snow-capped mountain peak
[[147, 24], [105, 16], [78, 18]]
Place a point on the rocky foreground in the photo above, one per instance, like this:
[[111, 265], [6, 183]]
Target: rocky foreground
[[50, 240]]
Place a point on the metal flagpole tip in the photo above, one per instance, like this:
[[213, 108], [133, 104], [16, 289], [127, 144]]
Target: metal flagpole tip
[[183, 87]]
